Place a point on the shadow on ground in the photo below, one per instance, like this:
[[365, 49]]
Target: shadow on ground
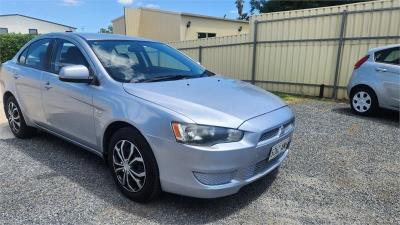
[[383, 116], [90, 172]]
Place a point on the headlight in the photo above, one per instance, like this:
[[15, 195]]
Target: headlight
[[204, 135]]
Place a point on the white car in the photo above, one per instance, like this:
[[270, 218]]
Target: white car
[[375, 82]]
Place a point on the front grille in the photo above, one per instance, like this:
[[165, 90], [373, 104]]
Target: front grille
[[214, 178], [275, 131], [256, 169], [261, 166], [269, 134], [287, 125]]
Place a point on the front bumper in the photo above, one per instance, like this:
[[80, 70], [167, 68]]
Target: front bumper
[[220, 170]]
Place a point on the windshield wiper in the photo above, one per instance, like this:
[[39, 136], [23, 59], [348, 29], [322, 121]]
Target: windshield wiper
[[164, 78]]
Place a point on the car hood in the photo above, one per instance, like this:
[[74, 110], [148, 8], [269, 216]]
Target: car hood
[[215, 100]]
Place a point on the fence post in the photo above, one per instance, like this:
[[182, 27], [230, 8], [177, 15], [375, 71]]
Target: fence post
[[254, 59], [339, 53], [321, 90], [200, 54]]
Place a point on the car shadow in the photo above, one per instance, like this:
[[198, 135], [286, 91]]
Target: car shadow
[[91, 172], [383, 116]]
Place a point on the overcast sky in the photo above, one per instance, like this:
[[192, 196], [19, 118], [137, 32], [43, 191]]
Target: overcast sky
[[90, 15]]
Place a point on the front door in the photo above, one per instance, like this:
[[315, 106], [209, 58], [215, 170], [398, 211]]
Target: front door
[[69, 106]]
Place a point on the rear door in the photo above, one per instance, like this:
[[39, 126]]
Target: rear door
[[28, 75], [387, 67]]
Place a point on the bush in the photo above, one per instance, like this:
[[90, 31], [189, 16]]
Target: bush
[[11, 43]]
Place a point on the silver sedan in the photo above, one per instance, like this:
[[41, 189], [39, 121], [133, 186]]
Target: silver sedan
[[162, 121]]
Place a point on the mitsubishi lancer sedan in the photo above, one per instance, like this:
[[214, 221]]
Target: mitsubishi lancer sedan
[[162, 121]]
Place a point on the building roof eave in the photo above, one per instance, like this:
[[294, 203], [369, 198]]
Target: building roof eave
[[190, 14], [39, 20]]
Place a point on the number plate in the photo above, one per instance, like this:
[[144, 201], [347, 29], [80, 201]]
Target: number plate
[[279, 148]]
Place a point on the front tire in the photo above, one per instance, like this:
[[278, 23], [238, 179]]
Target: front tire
[[133, 165], [16, 120], [363, 101]]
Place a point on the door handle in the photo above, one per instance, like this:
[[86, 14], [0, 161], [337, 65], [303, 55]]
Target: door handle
[[380, 69], [47, 85], [15, 75]]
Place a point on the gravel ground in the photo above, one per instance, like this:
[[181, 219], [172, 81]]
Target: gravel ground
[[342, 169]]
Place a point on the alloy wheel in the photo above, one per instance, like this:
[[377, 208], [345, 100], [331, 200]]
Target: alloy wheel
[[14, 118], [129, 166], [361, 101]]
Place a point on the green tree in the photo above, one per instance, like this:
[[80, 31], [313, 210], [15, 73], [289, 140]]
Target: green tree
[[11, 43], [239, 5], [108, 30], [266, 6]]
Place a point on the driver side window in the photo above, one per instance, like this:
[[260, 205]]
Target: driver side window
[[161, 59], [67, 54]]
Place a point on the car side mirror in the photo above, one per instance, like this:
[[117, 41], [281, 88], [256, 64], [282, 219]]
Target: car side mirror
[[75, 74]]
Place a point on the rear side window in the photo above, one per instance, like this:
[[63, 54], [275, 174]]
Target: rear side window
[[388, 56], [67, 54], [37, 56]]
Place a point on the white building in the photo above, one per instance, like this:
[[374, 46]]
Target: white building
[[16, 23]]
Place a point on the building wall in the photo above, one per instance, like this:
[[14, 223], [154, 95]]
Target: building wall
[[159, 25], [149, 24], [169, 26], [119, 25], [132, 21], [219, 26], [21, 24]]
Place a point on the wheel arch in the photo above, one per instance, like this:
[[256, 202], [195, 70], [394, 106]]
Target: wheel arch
[[6, 95], [363, 86], [111, 129]]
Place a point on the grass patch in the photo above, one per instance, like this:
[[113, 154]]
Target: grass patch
[[295, 99], [291, 98]]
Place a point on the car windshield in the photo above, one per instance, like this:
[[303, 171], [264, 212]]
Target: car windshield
[[144, 61]]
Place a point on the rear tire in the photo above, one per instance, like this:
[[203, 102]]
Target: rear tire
[[16, 120], [363, 101], [133, 165]]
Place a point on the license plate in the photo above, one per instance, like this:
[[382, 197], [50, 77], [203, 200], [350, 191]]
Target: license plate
[[279, 148]]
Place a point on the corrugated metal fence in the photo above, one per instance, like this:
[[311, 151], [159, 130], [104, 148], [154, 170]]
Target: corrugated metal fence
[[301, 51]]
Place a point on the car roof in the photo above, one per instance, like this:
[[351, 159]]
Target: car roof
[[95, 36], [383, 47]]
